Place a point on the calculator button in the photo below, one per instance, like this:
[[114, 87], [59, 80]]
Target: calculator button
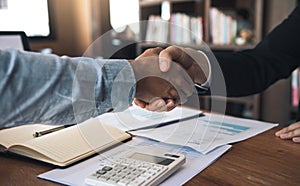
[[113, 180], [130, 169], [129, 177], [119, 176], [139, 171], [120, 167], [135, 174], [144, 167], [137, 182], [155, 168], [123, 182], [144, 176], [125, 163], [103, 177], [107, 168], [101, 171], [94, 175], [149, 173], [110, 174]]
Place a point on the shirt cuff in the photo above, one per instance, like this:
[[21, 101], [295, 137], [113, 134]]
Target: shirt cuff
[[204, 88]]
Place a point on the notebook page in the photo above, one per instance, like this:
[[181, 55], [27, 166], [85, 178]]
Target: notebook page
[[75, 141], [21, 134]]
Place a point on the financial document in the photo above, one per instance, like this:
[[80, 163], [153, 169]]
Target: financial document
[[195, 162], [135, 118], [207, 132]]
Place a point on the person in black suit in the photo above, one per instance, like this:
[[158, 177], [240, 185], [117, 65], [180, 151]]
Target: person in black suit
[[246, 72]]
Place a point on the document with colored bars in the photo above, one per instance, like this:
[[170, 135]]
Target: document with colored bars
[[207, 132]]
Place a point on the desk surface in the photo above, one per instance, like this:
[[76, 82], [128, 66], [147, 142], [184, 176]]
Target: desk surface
[[261, 160]]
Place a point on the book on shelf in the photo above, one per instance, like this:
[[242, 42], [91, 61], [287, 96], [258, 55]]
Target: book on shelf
[[295, 88], [157, 29], [69, 145], [197, 30], [181, 29], [186, 29], [223, 27]]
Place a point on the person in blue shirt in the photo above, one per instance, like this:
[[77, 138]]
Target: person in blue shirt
[[244, 73], [38, 88]]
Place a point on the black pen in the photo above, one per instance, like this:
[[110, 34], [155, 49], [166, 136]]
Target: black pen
[[41, 133]]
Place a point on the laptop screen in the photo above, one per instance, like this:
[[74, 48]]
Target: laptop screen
[[17, 40]]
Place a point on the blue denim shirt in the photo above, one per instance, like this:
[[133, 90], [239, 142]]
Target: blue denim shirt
[[37, 88]]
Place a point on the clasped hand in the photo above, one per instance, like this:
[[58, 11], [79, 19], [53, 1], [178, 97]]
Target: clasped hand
[[154, 87], [179, 63]]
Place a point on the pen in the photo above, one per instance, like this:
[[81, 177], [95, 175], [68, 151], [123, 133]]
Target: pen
[[41, 133]]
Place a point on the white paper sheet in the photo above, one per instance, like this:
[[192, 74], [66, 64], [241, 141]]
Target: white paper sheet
[[195, 163], [135, 118], [207, 132]]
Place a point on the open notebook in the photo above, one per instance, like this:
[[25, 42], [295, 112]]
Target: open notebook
[[62, 147]]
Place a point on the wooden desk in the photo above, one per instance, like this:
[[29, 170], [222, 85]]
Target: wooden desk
[[261, 160]]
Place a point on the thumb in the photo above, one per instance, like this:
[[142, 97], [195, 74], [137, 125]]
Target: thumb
[[165, 59], [176, 54]]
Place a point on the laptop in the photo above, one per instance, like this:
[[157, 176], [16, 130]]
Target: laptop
[[14, 39]]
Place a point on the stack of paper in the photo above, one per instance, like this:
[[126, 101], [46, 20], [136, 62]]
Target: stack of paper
[[202, 138]]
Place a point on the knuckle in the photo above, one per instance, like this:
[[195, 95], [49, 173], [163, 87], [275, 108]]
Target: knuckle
[[149, 51], [291, 134]]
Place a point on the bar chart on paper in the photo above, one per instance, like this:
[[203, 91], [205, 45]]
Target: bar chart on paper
[[225, 128]]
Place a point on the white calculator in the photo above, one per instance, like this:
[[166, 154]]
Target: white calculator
[[136, 169]]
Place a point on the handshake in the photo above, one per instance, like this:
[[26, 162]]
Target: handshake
[[165, 78]]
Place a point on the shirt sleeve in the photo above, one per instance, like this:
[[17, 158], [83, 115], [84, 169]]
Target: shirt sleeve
[[37, 88]]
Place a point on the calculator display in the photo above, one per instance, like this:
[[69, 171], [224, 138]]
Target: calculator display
[[152, 159]]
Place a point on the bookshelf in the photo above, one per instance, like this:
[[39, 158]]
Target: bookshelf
[[229, 9], [233, 19]]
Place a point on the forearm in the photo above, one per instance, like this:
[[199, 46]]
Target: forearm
[[250, 72], [243, 74], [35, 88]]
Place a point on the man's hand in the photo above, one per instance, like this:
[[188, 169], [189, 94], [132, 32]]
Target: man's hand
[[194, 62], [154, 86], [291, 132], [159, 104]]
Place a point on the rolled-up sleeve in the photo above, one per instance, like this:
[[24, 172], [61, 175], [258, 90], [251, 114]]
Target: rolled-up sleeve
[[36, 88]]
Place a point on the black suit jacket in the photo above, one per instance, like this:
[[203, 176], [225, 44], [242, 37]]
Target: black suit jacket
[[275, 57]]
